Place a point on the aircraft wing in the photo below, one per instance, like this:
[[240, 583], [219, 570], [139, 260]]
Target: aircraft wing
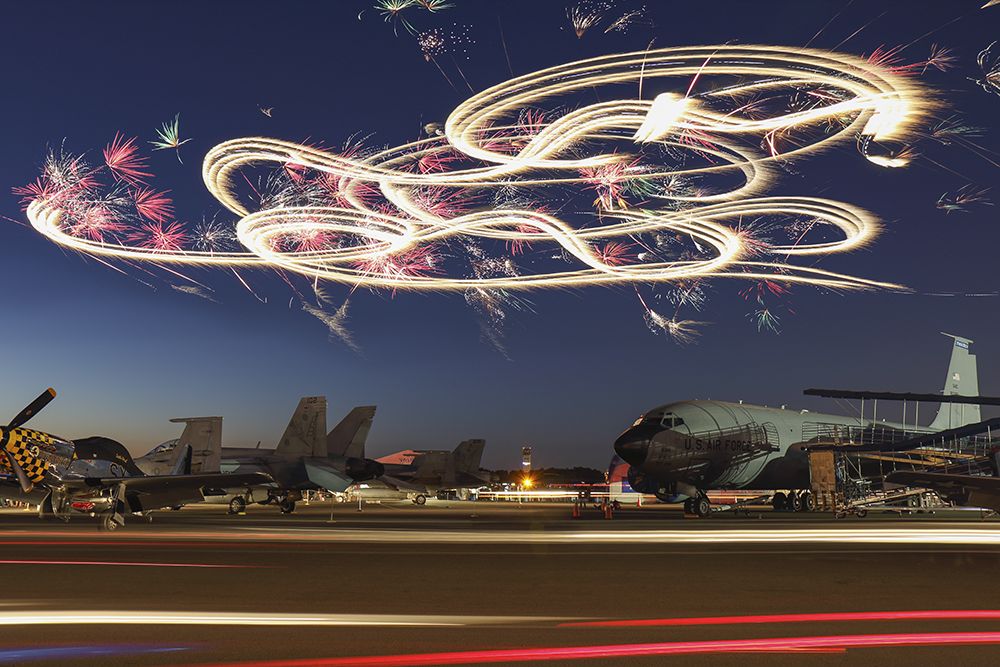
[[155, 491], [944, 481], [401, 484], [969, 490]]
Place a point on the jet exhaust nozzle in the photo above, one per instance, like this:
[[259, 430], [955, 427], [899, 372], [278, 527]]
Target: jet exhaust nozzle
[[362, 470]]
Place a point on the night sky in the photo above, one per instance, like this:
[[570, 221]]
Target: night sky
[[125, 358]]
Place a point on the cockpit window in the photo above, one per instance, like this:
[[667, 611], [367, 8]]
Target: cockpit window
[[671, 420], [163, 447]]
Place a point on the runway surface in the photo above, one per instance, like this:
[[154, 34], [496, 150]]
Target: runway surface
[[478, 583]]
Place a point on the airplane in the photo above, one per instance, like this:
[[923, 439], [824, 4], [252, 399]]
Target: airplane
[[306, 457], [202, 434], [94, 475], [681, 450], [419, 473]]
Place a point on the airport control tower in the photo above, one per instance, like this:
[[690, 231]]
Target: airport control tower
[[525, 459]]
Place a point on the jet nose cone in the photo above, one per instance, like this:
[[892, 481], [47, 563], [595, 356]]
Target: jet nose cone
[[633, 446]]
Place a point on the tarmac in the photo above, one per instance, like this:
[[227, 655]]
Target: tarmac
[[500, 583]]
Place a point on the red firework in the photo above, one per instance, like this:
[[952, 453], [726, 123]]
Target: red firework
[[96, 223], [889, 58], [518, 246], [123, 159], [158, 235], [442, 202], [153, 205], [40, 188], [615, 253], [419, 261]]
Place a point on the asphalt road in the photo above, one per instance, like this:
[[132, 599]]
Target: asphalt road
[[500, 583]]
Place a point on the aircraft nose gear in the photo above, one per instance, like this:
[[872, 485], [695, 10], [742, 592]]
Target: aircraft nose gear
[[700, 505]]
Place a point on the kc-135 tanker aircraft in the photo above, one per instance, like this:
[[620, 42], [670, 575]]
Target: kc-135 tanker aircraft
[[681, 450]]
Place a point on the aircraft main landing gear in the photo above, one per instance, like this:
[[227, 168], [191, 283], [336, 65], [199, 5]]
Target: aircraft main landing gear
[[700, 506], [287, 506], [419, 499]]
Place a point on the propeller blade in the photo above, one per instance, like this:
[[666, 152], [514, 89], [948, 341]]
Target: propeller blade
[[22, 478], [33, 408]]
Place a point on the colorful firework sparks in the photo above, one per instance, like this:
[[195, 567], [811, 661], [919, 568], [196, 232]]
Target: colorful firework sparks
[[630, 19], [123, 160], [587, 14], [213, 236], [160, 236], [964, 199], [152, 205], [942, 59], [990, 67], [438, 42], [766, 320], [435, 5], [681, 186], [168, 137], [392, 12]]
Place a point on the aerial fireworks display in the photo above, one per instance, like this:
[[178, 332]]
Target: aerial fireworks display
[[650, 170]]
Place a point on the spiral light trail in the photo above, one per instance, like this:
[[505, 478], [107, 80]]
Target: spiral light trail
[[713, 137]]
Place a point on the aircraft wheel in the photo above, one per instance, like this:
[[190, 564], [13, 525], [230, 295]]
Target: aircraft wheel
[[339, 499], [862, 513], [795, 502], [689, 506], [287, 506], [808, 501], [237, 505], [702, 507], [615, 505], [108, 522], [420, 499], [779, 502]]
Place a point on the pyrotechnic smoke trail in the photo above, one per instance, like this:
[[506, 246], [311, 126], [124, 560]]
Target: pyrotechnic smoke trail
[[381, 219]]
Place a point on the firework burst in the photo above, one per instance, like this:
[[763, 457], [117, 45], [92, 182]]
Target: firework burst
[[168, 137], [586, 14], [964, 199], [160, 236]]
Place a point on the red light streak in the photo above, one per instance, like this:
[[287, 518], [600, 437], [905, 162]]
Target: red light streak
[[544, 654]]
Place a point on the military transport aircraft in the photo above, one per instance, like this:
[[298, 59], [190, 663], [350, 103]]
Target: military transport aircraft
[[93, 475], [307, 457], [681, 450]]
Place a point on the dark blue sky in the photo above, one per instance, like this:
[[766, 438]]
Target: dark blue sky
[[125, 358]]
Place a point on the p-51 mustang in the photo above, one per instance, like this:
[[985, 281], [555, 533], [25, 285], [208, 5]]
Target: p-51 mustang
[[93, 475]]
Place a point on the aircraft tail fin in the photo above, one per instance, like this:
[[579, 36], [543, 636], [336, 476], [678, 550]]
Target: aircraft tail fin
[[348, 438], [962, 380], [305, 434], [184, 460], [203, 437], [468, 455]]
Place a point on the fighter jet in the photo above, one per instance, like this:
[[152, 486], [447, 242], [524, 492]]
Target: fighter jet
[[419, 473], [681, 450], [203, 435], [93, 475], [306, 457]]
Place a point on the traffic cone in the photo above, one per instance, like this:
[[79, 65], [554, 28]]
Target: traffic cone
[[576, 510]]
